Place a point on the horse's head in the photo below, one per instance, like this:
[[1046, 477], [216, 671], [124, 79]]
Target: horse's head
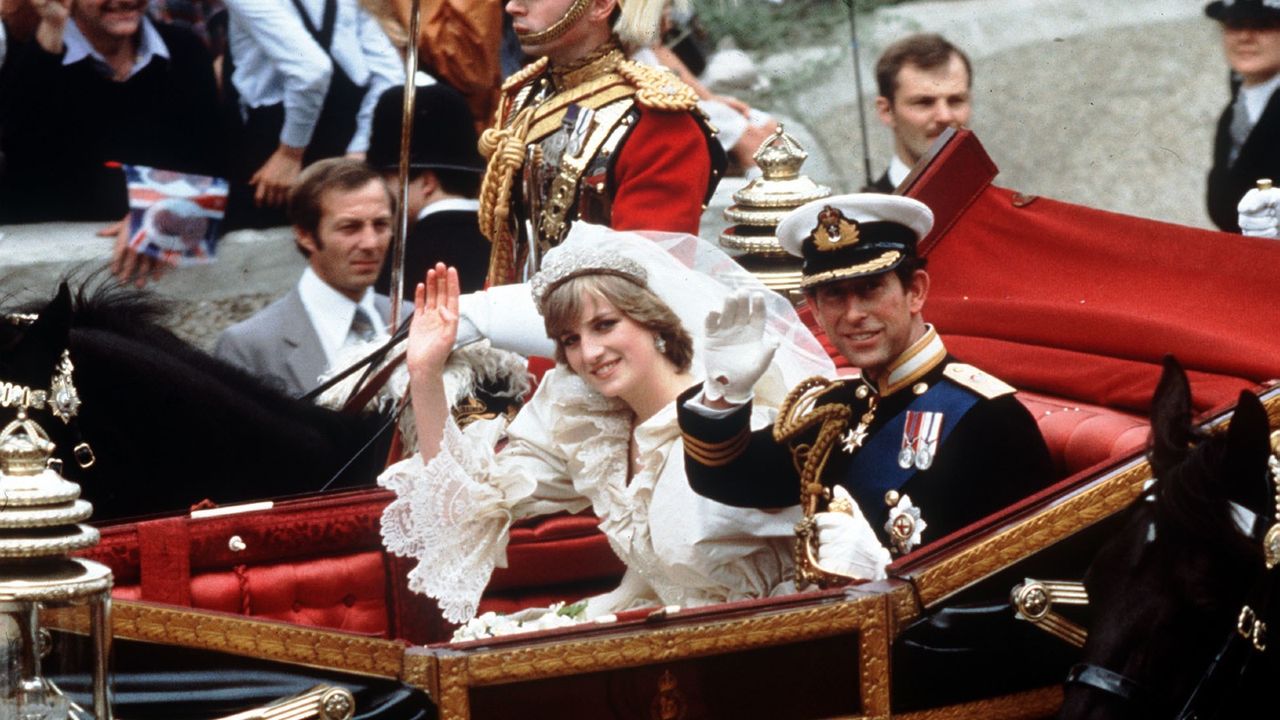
[[32, 343], [1166, 591]]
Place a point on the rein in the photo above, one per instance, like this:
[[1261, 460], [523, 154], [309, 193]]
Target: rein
[[367, 386]]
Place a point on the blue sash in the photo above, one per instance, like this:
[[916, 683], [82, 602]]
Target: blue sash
[[874, 469]]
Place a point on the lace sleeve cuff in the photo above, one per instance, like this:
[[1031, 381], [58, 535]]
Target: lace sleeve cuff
[[453, 525]]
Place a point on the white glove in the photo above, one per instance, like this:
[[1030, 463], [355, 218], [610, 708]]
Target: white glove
[[506, 315], [736, 350], [846, 543], [1257, 213]]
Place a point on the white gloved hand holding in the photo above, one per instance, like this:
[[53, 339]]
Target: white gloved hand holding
[[846, 543], [1257, 212], [736, 352]]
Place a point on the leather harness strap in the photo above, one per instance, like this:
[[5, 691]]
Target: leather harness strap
[[1108, 681]]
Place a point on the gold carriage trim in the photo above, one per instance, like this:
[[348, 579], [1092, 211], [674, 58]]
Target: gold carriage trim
[[717, 454], [883, 262]]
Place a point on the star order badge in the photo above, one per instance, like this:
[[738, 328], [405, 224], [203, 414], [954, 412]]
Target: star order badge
[[905, 526]]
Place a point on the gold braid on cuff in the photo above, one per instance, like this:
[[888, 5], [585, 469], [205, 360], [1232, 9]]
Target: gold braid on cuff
[[717, 454]]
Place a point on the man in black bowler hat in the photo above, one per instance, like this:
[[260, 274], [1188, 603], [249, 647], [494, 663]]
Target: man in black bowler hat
[[923, 443], [1246, 146], [444, 180]]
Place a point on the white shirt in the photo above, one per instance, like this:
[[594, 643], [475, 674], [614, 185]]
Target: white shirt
[[1257, 96], [331, 313], [898, 170], [277, 60], [466, 204], [150, 45], [4, 44]]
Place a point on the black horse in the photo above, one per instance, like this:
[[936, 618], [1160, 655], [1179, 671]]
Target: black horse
[[1171, 637], [169, 425]]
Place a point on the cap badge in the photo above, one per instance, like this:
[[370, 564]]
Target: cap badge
[[834, 230]]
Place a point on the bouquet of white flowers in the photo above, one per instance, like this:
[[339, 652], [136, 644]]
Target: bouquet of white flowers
[[492, 624]]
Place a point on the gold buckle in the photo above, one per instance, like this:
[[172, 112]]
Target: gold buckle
[[1252, 628]]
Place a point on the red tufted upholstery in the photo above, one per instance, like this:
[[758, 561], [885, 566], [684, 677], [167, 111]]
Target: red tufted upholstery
[[1081, 435]]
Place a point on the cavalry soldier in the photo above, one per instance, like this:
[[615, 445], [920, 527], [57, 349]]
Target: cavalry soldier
[[584, 132], [924, 443]]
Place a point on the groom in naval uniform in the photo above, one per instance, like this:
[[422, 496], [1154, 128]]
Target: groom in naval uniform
[[924, 443], [341, 212]]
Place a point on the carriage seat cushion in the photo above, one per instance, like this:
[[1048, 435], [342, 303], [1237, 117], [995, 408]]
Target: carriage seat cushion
[[556, 550], [1080, 435], [340, 592]]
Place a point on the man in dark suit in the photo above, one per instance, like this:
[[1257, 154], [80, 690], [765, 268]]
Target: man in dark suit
[[1246, 147], [341, 214], [100, 82], [924, 83], [444, 179], [924, 443]]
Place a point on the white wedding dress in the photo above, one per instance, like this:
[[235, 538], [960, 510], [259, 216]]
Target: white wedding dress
[[567, 449]]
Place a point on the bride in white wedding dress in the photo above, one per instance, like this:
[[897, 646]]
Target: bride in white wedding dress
[[600, 431]]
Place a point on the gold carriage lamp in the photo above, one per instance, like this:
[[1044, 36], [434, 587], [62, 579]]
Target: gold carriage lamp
[[40, 516], [760, 206]]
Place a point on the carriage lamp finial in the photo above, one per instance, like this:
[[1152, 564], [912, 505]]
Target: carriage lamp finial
[[41, 525]]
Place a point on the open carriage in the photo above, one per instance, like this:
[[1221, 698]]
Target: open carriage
[[1073, 306]]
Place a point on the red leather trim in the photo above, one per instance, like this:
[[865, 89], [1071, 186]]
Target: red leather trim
[[164, 548]]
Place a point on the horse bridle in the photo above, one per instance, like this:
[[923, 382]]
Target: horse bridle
[[61, 399], [1243, 643]]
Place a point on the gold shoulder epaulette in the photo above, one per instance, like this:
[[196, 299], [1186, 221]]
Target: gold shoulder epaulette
[[985, 384], [658, 89], [524, 75]]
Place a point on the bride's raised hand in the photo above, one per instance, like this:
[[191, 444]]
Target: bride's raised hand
[[435, 321]]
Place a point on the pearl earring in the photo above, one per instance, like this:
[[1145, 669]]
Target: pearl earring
[[660, 343]]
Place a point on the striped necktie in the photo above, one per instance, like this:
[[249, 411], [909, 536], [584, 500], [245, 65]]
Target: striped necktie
[[1240, 127], [361, 326]]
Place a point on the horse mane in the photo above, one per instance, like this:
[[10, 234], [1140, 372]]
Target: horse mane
[[105, 308]]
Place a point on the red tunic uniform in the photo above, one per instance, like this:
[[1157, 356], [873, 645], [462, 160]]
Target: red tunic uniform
[[610, 141]]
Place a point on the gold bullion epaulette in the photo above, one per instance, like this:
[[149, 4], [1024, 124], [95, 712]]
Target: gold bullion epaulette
[[985, 384], [524, 75], [658, 89]]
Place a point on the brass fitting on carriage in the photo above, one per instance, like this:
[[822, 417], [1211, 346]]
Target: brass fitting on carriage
[[1033, 601]]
